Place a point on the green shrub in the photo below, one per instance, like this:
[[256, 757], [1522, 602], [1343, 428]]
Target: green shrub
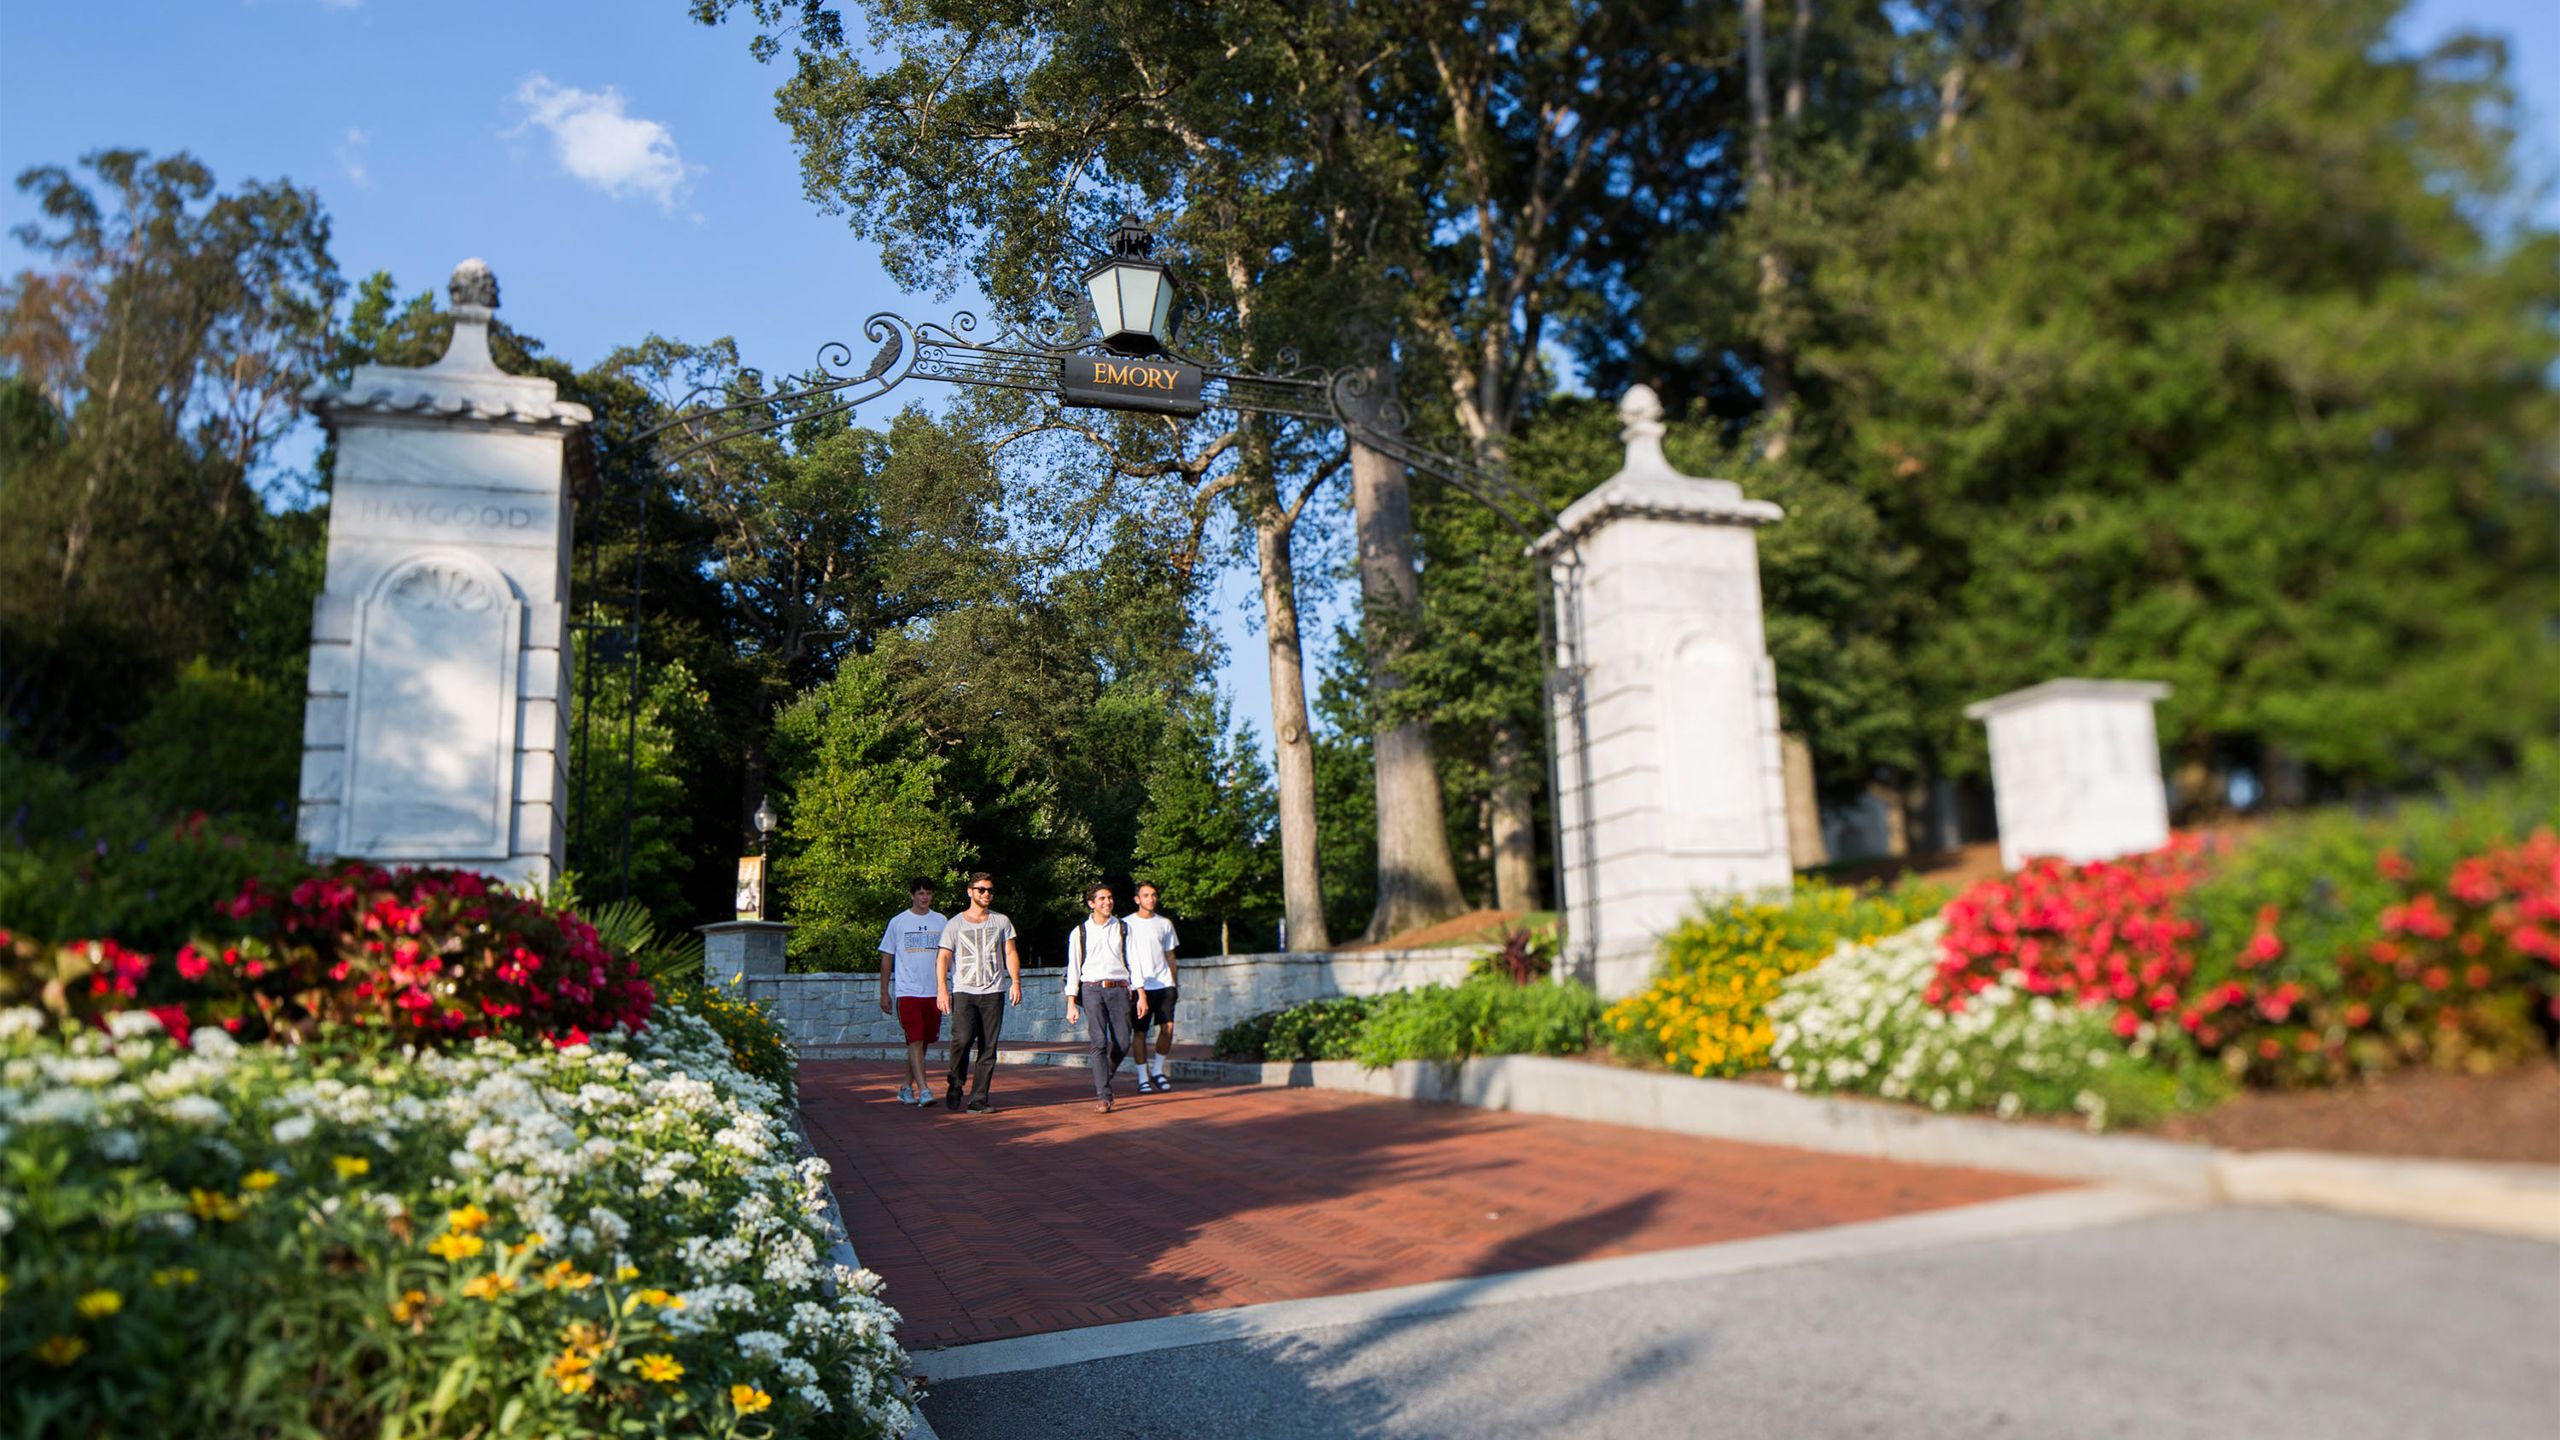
[[1487, 1015], [78, 862], [1247, 1041], [1318, 1030], [1484, 1016]]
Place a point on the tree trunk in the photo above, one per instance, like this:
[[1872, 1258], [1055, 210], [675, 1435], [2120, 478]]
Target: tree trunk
[[1795, 61], [1417, 881], [1514, 823], [1897, 817], [1804, 803], [1293, 749], [1777, 351], [1951, 87], [1515, 844]]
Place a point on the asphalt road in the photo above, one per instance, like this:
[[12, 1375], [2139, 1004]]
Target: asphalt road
[[2228, 1324]]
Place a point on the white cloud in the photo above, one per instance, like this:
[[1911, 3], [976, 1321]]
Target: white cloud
[[597, 141], [351, 158]]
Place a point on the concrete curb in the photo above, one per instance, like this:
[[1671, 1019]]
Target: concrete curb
[[2508, 1199], [2505, 1199]]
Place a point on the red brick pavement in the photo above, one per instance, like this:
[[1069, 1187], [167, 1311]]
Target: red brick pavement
[[1048, 1215]]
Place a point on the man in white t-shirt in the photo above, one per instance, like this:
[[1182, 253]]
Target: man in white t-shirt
[[1151, 946], [907, 966], [974, 968]]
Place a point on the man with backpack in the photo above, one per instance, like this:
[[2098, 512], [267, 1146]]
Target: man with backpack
[[1099, 986]]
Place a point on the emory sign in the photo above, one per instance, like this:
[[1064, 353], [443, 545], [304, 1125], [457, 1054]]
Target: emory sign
[[1112, 383]]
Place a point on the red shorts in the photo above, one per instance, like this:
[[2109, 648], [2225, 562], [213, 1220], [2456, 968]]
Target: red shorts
[[921, 1017]]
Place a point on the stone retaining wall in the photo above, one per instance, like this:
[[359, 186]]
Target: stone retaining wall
[[827, 1015]]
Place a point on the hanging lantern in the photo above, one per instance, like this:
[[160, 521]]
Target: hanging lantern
[[1132, 295]]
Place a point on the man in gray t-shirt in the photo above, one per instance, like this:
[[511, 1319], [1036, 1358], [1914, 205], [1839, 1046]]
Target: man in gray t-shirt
[[975, 969]]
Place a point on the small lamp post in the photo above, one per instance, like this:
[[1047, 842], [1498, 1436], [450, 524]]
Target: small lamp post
[[755, 884], [1132, 295]]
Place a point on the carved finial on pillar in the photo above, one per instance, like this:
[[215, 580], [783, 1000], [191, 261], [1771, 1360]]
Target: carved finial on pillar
[[1640, 420], [473, 284], [474, 292]]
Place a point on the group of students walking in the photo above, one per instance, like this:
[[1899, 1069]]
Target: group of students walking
[[1120, 987]]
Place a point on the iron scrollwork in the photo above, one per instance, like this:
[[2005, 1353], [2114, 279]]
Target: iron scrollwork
[[1026, 357]]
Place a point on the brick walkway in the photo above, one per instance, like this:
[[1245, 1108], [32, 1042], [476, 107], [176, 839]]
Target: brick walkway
[[1050, 1216]]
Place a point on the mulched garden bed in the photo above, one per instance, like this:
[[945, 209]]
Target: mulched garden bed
[[2513, 1116]]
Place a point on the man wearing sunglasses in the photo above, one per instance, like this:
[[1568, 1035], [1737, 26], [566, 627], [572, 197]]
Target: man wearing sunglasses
[[975, 968]]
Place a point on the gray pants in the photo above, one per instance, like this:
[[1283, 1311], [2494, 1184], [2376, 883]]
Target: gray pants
[[1106, 1024]]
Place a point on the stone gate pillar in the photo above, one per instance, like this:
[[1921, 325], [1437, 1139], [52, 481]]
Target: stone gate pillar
[[1669, 783], [435, 729]]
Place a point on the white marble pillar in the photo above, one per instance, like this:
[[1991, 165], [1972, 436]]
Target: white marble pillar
[[1669, 784], [436, 728], [2075, 769]]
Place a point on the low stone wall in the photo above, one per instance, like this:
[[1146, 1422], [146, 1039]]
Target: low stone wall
[[828, 1015]]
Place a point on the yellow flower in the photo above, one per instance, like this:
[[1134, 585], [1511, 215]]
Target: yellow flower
[[627, 1272], [530, 1242], [563, 1273], [351, 1166], [99, 1304], [570, 1369], [410, 1305], [214, 1205], [467, 1219], [61, 1350], [259, 1180], [456, 1247], [660, 1298], [489, 1286], [749, 1399], [661, 1368], [582, 1337], [176, 1275]]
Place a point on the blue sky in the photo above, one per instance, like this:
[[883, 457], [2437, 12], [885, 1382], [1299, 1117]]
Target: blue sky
[[618, 166]]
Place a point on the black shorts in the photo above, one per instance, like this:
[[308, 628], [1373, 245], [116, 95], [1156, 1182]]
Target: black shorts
[[1160, 1006]]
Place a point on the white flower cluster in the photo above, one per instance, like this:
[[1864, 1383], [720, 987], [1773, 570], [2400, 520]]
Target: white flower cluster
[[1858, 1023], [652, 1152]]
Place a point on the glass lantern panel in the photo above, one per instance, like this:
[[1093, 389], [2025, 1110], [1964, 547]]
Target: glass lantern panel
[[1140, 290], [1106, 301]]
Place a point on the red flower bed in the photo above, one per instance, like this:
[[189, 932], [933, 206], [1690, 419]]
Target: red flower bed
[[442, 954], [2311, 985], [2107, 933]]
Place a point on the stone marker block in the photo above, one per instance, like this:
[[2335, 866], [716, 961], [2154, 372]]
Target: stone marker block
[[2075, 769]]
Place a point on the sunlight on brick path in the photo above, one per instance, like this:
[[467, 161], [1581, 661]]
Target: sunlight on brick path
[[1050, 1216]]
